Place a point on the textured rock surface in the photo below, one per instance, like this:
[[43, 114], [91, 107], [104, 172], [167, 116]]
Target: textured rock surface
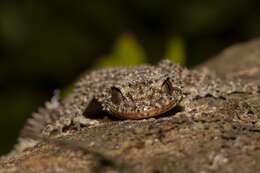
[[222, 136]]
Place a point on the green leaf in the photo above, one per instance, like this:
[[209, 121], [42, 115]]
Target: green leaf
[[176, 51], [126, 52]]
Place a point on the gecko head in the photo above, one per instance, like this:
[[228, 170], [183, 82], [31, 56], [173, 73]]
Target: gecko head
[[143, 98]]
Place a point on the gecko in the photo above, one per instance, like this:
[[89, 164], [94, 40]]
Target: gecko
[[138, 92]]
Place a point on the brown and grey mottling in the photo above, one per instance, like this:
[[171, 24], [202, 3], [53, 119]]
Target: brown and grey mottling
[[215, 127], [127, 93]]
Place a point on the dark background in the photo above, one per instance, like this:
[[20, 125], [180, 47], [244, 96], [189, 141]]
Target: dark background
[[45, 45]]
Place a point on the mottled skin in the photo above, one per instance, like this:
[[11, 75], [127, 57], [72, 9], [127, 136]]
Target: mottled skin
[[127, 93]]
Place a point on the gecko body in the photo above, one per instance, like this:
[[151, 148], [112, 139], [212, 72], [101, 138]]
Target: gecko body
[[127, 93]]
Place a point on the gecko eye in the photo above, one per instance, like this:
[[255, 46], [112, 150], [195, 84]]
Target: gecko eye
[[116, 95], [167, 86]]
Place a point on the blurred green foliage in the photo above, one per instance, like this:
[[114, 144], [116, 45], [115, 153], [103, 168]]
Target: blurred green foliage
[[176, 50], [126, 52], [45, 45]]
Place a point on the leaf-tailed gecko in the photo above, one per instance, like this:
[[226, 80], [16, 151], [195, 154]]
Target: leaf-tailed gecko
[[126, 93]]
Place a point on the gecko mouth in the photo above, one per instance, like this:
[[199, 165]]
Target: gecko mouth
[[145, 114]]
